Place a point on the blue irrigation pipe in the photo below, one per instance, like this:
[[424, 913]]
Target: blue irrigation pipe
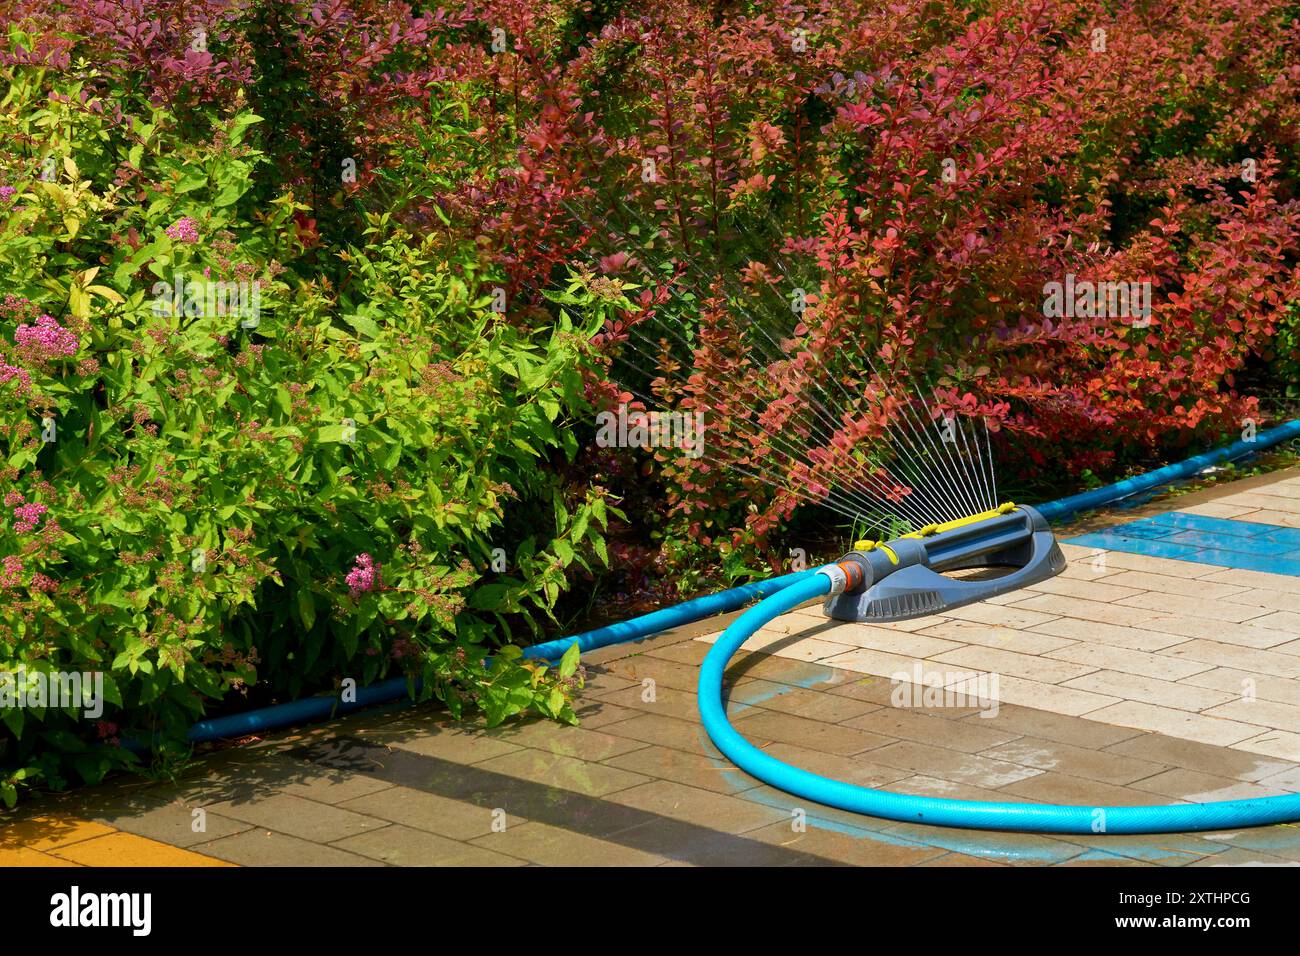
[[940, 811], [1100, 497], [311, 709], [783, 593]]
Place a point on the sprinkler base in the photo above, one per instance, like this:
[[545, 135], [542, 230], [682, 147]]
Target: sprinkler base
[[905, 578]]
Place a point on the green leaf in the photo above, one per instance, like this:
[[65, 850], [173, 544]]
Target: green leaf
[[569, 662], [306, 608]]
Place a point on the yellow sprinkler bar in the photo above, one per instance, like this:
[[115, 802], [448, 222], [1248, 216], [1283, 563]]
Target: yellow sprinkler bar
[[933, 529]]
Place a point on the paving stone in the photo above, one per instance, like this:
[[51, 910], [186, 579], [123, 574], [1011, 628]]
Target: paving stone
[[665, 673], [1256, 579], [782, 671], [1272, 600], [1050, 697], [872, 689], [20, 856], [1182, 605], [846, 845], [670, 701], [296, 816], [1005, 638], [684, 652], [1100, 611], [330, 786], [1261, 500], [1287, 780], [1102, 858], [961, 860], [695, 770], [128, 849], [266, 848], [1105, 591], [420, 810], [1274, 743], [1139, 663], [1175, 723], [797, 647], [1016, 849], [686, 843], [402, 846], [906, 643], [952, 734], [567, 773], [813, 734], [1196, 787], [600, 680], [1015, 615], [563, 740], [1158, 849], [552, 846], [461, 744], [595, 714], [924, 785], [1277, 843], [950, 765], [1053, 787], [1243, 635], [791, 806], [1268, 713], [1162, 693], [1050, 755], [172, 823], [1188, 587], [1240, 857], [1283, 519], [1117, 635], [893, 666], [812, 704], [716, 811], [1026, 666], [1173, 751], [1240, 658], [41, 832], [1287, 621], [1088, 734], [860, 769], [671, 732], [1244, 684], [1143, 562]]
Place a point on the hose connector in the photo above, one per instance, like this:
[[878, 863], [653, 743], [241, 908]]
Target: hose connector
[[845, 576]]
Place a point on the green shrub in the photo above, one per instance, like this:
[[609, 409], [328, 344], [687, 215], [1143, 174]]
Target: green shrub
[[266, 490]]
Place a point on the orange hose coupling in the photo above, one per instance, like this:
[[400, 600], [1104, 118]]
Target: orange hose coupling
[[845, 576]]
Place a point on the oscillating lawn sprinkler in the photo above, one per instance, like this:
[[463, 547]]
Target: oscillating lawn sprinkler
[[905, 577]]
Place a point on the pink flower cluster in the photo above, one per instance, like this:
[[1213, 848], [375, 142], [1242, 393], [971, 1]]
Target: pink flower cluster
[[364, 577], [184, 230], [26, 516], [9, 372], [11, 570], [46, 339]]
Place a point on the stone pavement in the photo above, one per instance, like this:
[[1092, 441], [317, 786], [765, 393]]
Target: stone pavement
[[1128, 679]]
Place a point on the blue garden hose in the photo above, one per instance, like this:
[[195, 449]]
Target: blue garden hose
[[781, 594], [939, 811]]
